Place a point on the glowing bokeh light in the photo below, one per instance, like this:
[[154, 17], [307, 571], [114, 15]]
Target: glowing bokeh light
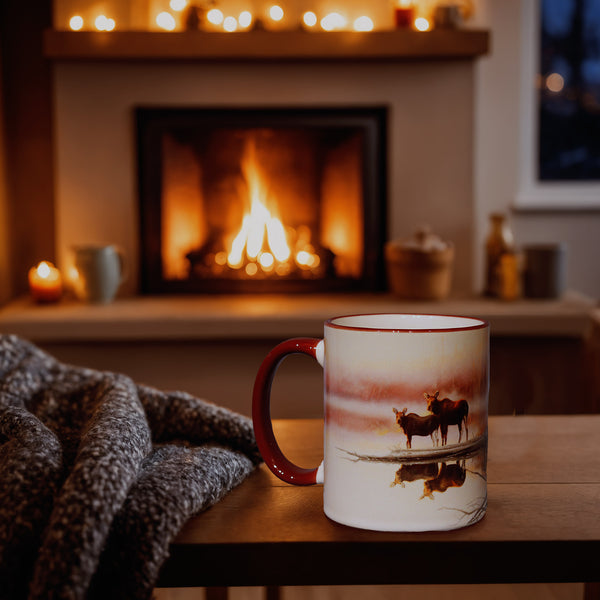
[[214, 16], [76, 23], [555, 82], [178, 5], [230, 24], [309, 18], [283, 269], [266, 260], [101, 22], [333, 21], [422, 24], [307, 260], [276, 12], [251, 269], [166, 21], [363, 23], [245, 19], [303, 258], [43, 269]]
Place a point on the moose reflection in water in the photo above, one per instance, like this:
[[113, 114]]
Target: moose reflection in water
[[442, 414], [448, 476], [426, 481], [410, 472], [436, 477]]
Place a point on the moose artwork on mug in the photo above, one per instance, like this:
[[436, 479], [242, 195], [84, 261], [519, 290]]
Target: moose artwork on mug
[[409, 416], [442, 413]]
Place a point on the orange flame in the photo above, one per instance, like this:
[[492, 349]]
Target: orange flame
[[262, 240]]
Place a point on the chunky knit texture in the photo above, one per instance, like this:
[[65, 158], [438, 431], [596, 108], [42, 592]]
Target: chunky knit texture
[[98, 474]]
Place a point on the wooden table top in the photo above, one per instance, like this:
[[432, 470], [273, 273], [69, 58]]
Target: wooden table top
[[542, 522]]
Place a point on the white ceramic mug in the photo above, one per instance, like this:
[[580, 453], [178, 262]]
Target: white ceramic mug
[[100, 272], [405, 432]]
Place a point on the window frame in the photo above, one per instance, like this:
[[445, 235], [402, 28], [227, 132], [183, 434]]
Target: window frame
[[532, 193]]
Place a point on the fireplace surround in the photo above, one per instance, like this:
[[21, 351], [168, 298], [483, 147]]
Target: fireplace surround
[[261, 199], [429, 138]]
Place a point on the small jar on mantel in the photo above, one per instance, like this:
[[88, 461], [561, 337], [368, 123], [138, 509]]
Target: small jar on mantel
[[500, 241], [420, 268]]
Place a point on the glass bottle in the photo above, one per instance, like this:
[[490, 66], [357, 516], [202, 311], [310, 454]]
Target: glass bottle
[[500, 241]]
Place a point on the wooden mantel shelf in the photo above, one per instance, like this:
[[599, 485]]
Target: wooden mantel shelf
[[273, 316], [265, 45]]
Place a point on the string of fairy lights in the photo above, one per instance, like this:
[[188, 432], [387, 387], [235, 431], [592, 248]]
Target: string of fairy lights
[[186, 15]]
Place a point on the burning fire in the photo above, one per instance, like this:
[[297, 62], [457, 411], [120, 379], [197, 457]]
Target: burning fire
[[262, 243], [252, 238]]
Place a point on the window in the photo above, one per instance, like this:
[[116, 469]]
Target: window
[[560, 105], [569, 91]]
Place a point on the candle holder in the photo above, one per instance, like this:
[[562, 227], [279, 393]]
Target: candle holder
[[404, 15], [45, 283]]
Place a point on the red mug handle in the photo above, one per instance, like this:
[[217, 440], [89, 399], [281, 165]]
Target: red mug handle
[[261, 411]]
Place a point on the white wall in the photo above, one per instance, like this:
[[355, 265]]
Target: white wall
[[499, 156]]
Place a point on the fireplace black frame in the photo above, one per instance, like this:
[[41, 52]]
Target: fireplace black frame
[[152, 122]]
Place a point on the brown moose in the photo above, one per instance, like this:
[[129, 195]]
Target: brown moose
[[449, 412], [413, 424]]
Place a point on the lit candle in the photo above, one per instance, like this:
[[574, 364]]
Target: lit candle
[[45, 282]]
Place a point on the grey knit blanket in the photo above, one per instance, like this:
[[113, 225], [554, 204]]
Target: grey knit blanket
[[98, 474]]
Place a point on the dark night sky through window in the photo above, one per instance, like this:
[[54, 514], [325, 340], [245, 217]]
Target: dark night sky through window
[[569, 85]]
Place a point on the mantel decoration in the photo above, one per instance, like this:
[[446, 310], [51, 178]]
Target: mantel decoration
[[228, 16], [45, 283]]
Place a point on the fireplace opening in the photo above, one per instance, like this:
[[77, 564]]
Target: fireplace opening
[[261, 200]]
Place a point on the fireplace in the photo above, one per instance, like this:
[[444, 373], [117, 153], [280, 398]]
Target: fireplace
[[261, 200]]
